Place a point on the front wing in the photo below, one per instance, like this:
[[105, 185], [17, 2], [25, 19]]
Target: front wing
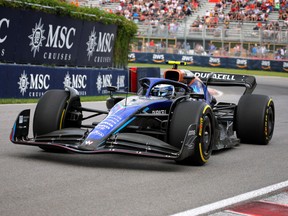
[[70, 140]]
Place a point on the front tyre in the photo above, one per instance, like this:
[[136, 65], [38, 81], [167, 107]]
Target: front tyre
[[193, 113], [49, 114], [255, 119]]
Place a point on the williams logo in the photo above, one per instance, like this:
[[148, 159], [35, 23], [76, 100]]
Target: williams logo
[[158, 58], [285, 66], [265, 65], [241, 63], [187, 59], [215, 62]]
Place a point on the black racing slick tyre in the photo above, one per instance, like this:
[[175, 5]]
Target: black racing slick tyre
[[255, 117], [49, 113], [184, 115]]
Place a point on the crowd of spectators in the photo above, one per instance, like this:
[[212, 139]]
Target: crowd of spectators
[[154, 11], [241, 11], [168, 14]]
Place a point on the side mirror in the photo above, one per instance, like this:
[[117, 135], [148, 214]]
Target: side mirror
[[112, 88]]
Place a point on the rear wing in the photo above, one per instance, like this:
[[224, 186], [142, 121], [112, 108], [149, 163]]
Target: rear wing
[[223, 79]]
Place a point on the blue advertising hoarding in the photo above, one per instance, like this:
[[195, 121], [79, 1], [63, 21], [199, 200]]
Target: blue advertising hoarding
[[23, 81], [31, 37], [211, 61]]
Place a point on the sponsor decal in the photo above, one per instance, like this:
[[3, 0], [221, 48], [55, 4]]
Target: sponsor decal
[[102, 82], [121, 82], [100, 42], [191, 133], [97, 133], [158, 111], [285, 66], [201, 126], [36, 84], [77, 81], [158, 58], [56, 37], [265, 65], [215, 76], [131, 57], [191, 136], [215, 62], [187, 59], [241, 63]]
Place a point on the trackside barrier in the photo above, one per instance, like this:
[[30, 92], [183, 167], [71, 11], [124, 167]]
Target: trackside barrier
[[39, 38], [26, 81], [211, 61]]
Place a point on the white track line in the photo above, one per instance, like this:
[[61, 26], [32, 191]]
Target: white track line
[[233, 200]]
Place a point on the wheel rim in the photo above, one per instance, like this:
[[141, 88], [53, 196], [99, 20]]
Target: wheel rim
[[206, 136], [270, 121]]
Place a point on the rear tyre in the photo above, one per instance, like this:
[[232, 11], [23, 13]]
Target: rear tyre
[[185, 114], [49, 114], [255, 118]]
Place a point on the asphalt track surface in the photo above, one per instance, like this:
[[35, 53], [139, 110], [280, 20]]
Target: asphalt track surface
[[34, 182]]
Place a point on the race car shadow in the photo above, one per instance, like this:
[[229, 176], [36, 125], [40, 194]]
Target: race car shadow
[[112, 161], [223, 151]]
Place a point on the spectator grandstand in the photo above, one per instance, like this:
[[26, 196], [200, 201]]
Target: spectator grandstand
[[234, 27]]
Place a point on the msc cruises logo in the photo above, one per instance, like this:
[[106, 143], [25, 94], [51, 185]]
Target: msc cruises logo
[[103, 81], [99, 83], [37, 37], [23, 83], [35, 84], [91, 44]]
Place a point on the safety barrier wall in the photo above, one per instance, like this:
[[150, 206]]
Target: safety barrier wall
[[24, 81], [211, 61], [30, 37]]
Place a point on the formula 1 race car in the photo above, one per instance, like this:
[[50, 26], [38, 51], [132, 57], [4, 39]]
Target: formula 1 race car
[[174, 117]]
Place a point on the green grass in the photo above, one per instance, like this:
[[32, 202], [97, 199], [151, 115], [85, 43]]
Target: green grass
[[195, 68], [35, 100]]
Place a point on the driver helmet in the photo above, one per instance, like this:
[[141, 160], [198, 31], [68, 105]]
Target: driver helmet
[[163, 90]]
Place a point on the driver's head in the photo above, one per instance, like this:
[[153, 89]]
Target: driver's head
[[163, 90]]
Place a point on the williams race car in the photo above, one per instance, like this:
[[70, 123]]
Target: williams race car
[[174, 117]]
